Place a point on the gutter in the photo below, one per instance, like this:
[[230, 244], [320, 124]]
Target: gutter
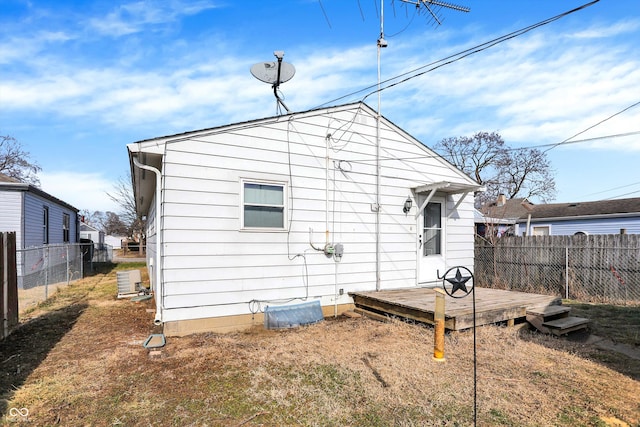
[[158, 291]]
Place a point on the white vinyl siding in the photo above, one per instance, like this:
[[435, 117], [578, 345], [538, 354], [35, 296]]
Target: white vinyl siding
[[11, 214], [213, 267]]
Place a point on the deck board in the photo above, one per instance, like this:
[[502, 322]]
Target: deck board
[[492, 305]]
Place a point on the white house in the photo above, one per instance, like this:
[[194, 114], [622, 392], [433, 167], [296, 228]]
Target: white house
[[89, 232], [302, 207]]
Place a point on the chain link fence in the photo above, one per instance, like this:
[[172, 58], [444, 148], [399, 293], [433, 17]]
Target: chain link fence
[[43, 269], [575, 270]]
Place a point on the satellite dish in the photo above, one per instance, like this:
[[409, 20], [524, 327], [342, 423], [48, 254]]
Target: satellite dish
[[274, 73], [268, 72]]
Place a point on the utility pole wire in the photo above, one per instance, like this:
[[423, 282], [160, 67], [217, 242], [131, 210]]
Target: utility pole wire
[[568, 140], [482, 47], [456, 56]]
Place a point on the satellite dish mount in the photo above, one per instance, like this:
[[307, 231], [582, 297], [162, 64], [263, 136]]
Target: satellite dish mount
[[274, 73]]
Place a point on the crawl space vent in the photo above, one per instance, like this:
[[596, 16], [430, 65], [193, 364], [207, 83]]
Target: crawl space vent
[[291, 316]]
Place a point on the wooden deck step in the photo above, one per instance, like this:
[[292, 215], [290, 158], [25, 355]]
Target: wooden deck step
[[549, 311], [565, 325]]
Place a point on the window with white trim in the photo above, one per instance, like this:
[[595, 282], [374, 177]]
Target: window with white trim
[[543, 230], [263, 205]]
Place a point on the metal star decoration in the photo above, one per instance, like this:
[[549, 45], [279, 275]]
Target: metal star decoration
[[458, 282]]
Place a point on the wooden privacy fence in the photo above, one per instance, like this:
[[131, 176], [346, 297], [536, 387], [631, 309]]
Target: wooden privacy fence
[[9, 281], [598, 268]]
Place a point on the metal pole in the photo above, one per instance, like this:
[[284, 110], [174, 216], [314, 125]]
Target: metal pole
[[566, 272], [5, 283], [378, 115], [45, 254], [67, 249]]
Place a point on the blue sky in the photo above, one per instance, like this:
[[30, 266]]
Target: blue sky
[[80, 80]]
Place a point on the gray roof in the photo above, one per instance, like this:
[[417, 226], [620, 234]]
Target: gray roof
[[512, 209], [581, 209]]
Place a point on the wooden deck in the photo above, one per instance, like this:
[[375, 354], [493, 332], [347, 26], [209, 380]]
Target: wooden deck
[[492, 306]]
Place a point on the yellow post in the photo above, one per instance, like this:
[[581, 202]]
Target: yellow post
[[438, 346]]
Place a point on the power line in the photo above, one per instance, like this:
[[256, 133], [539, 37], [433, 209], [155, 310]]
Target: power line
[[568, 140], [613, 189], [622, 195]]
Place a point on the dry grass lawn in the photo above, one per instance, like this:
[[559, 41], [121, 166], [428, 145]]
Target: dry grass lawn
[[80, 361]]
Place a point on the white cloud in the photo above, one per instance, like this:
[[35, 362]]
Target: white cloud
[[135, 17], [539, 88], [81, 190]]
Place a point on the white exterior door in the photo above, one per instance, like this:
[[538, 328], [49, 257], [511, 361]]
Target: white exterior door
[[431, 241]]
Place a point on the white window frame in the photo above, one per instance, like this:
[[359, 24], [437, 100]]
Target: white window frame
[[535, 229], [284, 206]]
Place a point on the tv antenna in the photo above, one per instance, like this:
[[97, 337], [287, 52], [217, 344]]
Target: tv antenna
[[274, 73], [428, 4]]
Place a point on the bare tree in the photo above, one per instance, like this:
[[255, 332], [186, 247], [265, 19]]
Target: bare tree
[[527, 173], [15, 161], [502, 170], [114, 225], [95, 219], [122, 195]]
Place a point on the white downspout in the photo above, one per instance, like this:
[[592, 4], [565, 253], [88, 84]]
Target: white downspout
[[159, 303]]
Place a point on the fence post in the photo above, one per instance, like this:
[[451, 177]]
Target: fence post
[[5, 283], [8, 283], [566, 272], [45, 265], [67, 249]]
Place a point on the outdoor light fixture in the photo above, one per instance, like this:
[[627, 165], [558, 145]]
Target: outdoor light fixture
[[407, 205]]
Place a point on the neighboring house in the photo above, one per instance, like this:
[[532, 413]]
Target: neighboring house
[[292, 208], [499, 218], [37, 217], [617, 216], [89, 232], [487, 226]]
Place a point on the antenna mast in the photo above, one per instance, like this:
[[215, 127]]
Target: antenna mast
[[382, 43]]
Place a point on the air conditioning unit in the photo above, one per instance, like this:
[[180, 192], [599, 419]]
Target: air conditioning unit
[[129, 283]]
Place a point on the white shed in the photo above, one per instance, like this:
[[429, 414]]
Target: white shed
[[294, 208]]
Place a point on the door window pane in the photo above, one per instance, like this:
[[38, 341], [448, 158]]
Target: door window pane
[[432, 231]]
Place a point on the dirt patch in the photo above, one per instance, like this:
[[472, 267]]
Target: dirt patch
[[89, 368]]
